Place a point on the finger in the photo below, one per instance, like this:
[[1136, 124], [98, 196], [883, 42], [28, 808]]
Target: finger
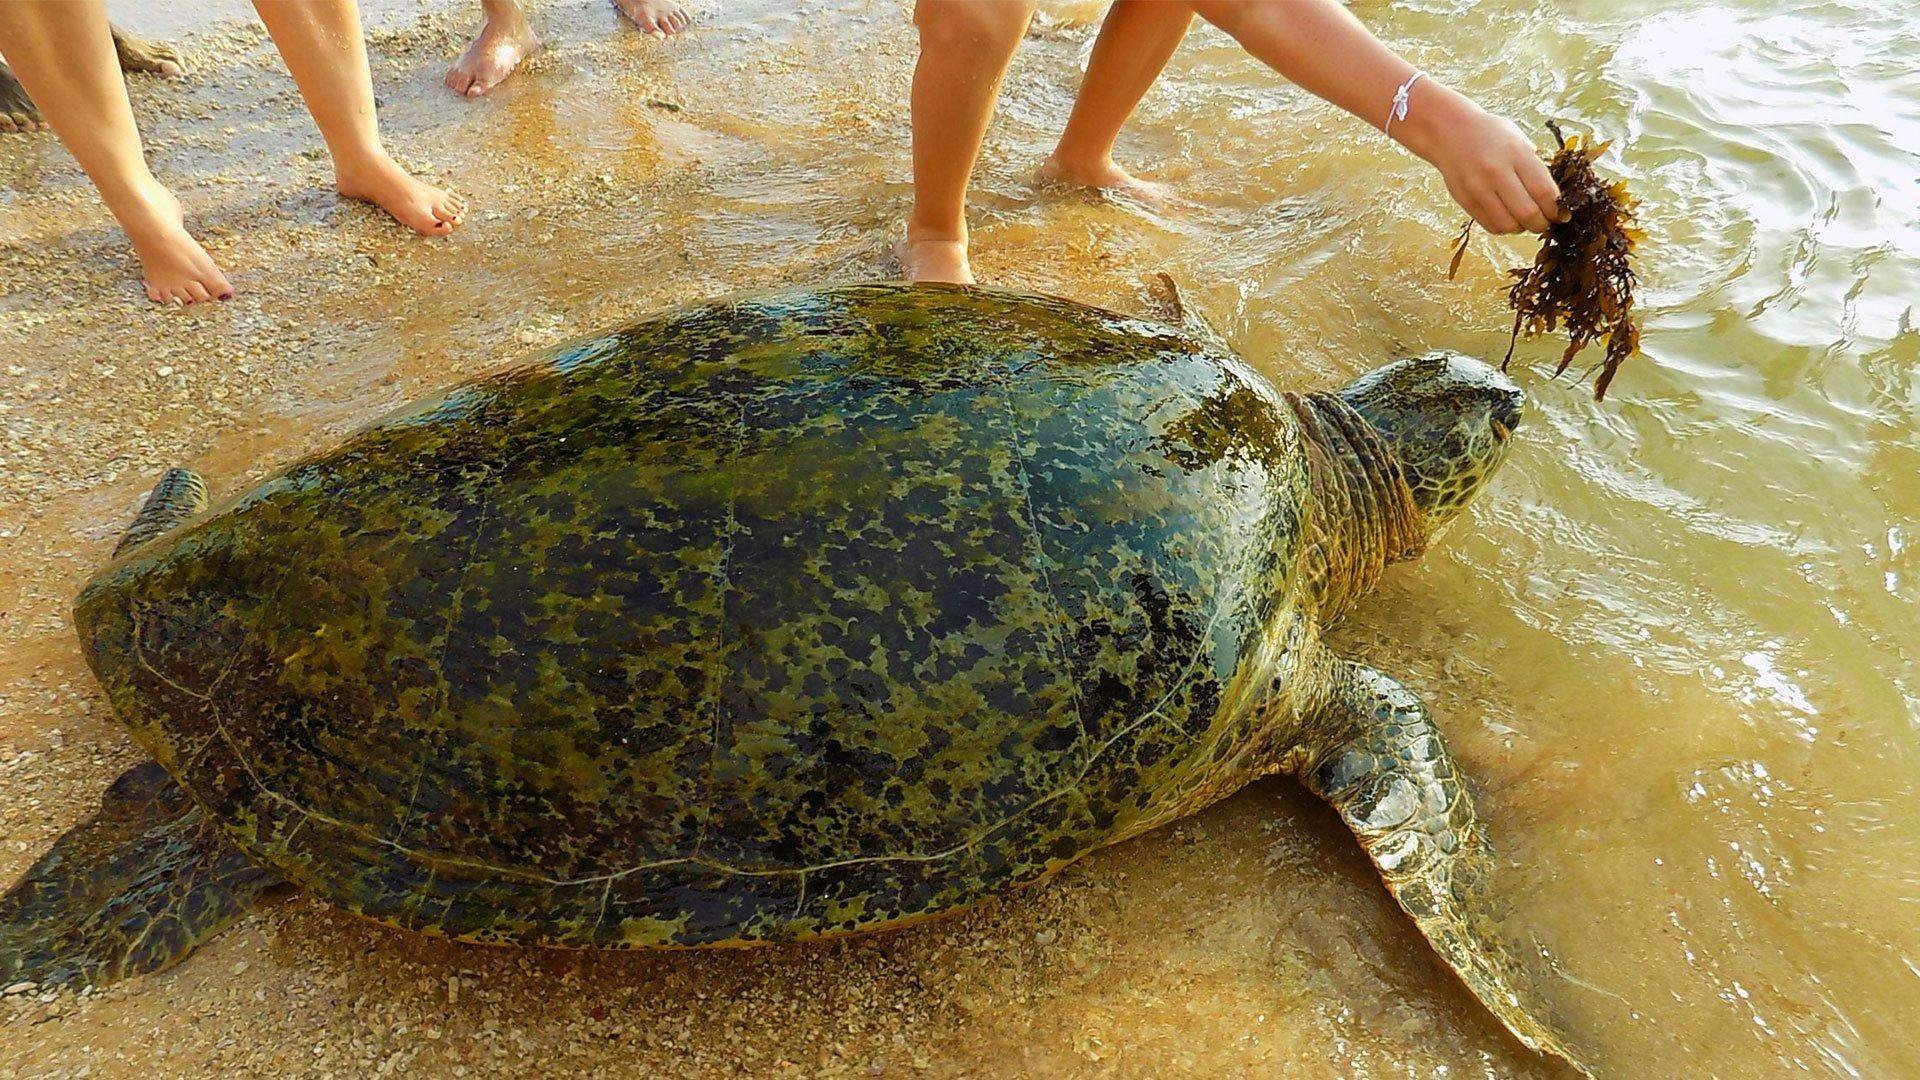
[[1492, 214], [1525, 210], [1476, 207], [1540, 185]]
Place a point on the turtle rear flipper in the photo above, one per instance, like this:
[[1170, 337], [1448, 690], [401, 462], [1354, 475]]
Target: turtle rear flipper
[[179, 495], [132, 889], [1381, 763]]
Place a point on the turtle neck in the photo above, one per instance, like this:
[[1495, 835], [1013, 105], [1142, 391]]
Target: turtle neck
[[1363, 516]]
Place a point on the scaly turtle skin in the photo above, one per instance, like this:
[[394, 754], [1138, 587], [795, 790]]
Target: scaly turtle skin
[[786, 616]]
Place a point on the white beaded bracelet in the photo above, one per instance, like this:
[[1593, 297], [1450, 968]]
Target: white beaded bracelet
[[1398, 110]]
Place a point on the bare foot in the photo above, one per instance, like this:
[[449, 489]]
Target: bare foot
[[657, 18], [151, 57], [414, 203], [496, 51], [17, 113], [176, 268], [933, 258], [1104, 176]]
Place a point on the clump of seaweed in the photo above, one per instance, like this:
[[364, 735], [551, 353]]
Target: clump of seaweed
[[1583, 277]]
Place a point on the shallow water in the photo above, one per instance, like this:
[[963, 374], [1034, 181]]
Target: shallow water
[[1673, 646]]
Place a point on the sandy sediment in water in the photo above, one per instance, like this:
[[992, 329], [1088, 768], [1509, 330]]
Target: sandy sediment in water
[[617, 177]]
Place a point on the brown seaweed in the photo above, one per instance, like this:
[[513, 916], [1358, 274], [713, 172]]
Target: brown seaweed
[[1583, 277]]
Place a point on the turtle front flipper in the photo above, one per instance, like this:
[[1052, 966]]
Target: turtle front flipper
[[1378, 758], [138, 54], [132, 889], [1166, 292], [179, 495]]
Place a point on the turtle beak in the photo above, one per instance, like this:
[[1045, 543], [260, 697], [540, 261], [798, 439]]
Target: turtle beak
[[1506, 413]]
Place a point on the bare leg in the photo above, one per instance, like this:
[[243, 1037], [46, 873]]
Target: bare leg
[[965, 47], [62, 51], [496, 51], [321, 44], [656, 18], [1136, 41]]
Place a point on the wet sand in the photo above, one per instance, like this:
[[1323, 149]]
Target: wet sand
[[1701, 786]]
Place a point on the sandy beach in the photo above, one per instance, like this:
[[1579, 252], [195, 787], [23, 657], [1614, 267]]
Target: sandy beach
[[1604, 594]]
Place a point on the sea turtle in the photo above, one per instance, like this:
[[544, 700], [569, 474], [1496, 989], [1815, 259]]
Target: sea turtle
[[784, 616]]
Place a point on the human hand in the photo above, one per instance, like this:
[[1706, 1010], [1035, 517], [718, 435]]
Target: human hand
[[1490, 168]]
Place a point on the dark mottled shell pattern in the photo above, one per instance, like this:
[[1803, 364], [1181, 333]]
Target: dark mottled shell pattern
[[798, 614]]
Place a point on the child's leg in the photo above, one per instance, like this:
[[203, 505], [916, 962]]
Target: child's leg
[[658, 18], [62, 52], [1136, 41], [321, 44], [497, 50], [965, 47]]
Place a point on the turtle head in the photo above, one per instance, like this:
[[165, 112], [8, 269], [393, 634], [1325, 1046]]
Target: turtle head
[[1448, 418]]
